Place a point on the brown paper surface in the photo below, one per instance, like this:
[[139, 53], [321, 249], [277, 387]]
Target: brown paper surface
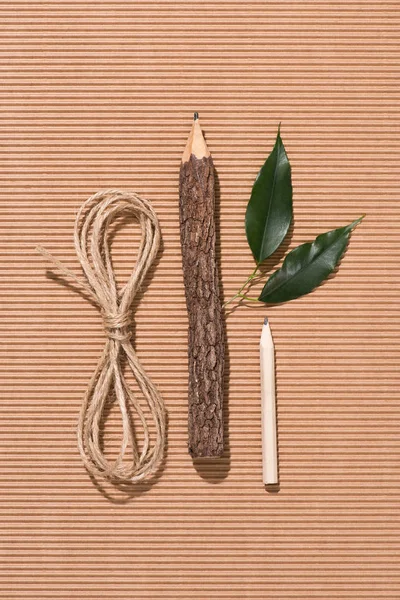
[[101, 94]]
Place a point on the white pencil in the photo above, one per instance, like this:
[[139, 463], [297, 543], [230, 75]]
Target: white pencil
[[268, 408]]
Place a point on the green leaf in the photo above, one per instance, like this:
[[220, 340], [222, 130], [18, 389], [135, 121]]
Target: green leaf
[[269, 210], [305, 267]]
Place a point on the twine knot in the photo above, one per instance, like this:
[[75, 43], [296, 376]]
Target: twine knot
[[92, 247], [118, 326]]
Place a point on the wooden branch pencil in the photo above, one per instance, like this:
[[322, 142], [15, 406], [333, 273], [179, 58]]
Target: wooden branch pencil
[[205, 335]]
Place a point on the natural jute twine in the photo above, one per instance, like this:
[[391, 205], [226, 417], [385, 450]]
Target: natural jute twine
[[92, 248]]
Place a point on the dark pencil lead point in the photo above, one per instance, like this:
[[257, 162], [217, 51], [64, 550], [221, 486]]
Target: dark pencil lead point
[[195, 116], [266, 321]]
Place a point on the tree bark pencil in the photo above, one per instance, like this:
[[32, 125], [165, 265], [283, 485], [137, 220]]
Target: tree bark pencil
[[205, 334]]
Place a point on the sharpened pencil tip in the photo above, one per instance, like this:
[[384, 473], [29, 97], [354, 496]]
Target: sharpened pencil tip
[[266, 321], [195, 116]]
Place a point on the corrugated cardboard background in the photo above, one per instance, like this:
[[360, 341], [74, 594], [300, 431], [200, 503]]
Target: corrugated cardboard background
[[101, 94]]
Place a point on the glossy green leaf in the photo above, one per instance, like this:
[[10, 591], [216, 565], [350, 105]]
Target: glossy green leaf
[[269, 211], [306, 267]]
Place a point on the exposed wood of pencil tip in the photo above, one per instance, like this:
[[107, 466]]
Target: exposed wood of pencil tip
[[196, 143], [205, 332]]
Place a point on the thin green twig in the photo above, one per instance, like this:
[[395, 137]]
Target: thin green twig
[[239, 294]]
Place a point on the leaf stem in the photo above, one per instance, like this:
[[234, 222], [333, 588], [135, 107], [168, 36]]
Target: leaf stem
[[248, 298], [238, 293]]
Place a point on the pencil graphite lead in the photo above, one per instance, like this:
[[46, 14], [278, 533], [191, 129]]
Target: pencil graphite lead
[[266, 321], [195, 116]]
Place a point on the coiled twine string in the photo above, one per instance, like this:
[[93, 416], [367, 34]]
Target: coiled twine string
[[91, 239]]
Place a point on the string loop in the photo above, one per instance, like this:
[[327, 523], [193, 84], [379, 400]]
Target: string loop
[[91, 237]]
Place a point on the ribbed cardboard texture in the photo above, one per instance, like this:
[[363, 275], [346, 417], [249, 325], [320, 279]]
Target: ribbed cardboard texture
[[101, 94]]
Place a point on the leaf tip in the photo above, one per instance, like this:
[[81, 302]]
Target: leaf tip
[[358, 221]]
